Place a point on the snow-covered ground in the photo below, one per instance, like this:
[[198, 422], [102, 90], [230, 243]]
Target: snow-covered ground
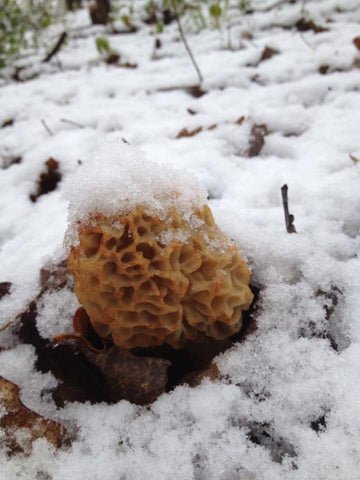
[[287, 405]]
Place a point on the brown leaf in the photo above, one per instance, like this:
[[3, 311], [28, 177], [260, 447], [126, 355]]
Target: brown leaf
[[356, 42], [354, 159], [303, 25], [99, 11], [191, 111], [240, 120], [194, 379], [4, 289], [134, 378], [195, 91], [22, 426], [9, 160], [268, 53], [138, 379], [7, 123], [112, 58], [48, 180], [185, 133], [67, 364], [84, 333], [256, 141], [54, 276]]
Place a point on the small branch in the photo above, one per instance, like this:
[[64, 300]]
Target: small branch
[[45, 125], [289, 218], [186, 45], [56, 47], [71, 122]]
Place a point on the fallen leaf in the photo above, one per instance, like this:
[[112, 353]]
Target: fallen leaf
[[303, 25], [5, 289], [134, 378], [324, 69], [185, 133], [354, 159], [7, 161], [48, 180], [54, 276], [240, 120], [191, 111], [194, 379], [195, 91], [256, 141], [356, 42], [7, 123], [112, 58], [21, 425], [268, 53]]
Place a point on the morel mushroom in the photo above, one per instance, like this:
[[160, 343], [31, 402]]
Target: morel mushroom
[[146, 278]]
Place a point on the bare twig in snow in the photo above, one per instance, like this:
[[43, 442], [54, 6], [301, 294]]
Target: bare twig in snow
[[289, 218], [60, 42], [186, 45], [45, 125], [71, 122]]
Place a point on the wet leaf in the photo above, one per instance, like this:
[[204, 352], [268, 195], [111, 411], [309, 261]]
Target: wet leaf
[[256, 141], [185, 133], [48, 180], [7, 123], [195, 378], [356, 42], [137, 379], [21, 425], [268, 53], [54, 276], [5, 289], [195, 91], [303, 25]]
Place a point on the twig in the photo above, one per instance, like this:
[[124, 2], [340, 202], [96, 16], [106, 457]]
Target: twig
[[71, 122], [186, 45], [45, 125], [56, 47], [289, 218]]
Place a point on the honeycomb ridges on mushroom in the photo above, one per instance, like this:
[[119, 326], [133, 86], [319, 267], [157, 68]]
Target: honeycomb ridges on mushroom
[[145, 281]]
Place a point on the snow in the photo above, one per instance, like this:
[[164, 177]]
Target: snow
[[119, 178], [296, 377]]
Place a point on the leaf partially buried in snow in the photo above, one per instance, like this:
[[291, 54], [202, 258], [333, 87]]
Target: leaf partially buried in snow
[[48, 179], [138, 379], [356, 42], [21, 425], [256, 141]]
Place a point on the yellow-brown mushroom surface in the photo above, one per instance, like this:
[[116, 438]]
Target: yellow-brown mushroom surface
[[145, 281]]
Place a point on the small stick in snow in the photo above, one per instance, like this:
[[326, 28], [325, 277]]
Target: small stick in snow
[[56, 47], [45, 125], [289, 218], [186, 45], [71, 122]]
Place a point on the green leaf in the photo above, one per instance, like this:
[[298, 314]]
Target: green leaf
[[215, 10], [159, 27], [102, 45]]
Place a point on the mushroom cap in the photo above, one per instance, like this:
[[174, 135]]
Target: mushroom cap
[[145, 280]]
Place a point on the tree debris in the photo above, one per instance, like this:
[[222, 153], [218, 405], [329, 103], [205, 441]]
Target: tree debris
[[60, 42], [289, 218], [48, 180], [256, 141], [5, 289], [21, 425], [304, 25]]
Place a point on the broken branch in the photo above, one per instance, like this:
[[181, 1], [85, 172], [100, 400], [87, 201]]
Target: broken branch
[[289, 218], [56, 47]]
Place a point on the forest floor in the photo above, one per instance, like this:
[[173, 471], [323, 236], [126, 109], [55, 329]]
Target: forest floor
[[279, 104]]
